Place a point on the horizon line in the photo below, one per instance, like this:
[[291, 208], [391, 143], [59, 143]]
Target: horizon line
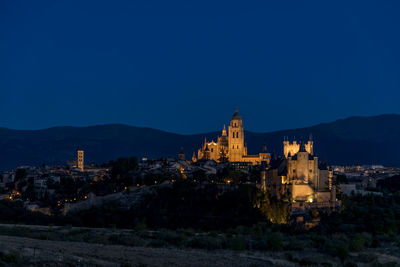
[[207, 132]]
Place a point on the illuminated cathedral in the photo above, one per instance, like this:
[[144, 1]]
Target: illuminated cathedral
[[230, 146]]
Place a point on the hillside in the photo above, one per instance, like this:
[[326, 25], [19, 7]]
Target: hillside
[[355, 140]]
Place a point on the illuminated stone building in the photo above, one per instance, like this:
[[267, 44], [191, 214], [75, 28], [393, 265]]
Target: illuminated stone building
[[230, 146], [300, 177], [80, 159]]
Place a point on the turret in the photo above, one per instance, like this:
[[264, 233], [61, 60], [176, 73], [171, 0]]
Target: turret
[[194, 159], [264, 148], [206, 153]]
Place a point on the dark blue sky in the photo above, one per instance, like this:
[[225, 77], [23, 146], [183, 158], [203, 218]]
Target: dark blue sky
[[183, 66]]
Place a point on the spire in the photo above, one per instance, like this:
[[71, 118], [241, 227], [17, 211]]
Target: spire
[[224, 131], [236, 115], [264, 148]]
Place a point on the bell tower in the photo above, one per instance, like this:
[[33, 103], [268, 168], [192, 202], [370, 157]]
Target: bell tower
[[236, 138]]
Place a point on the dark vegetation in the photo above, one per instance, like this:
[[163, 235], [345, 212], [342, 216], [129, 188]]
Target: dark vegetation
[[232, 220], [391, 184], [365, 225]]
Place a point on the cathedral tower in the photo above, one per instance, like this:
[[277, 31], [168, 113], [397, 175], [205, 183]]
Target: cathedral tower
[[236, 138]]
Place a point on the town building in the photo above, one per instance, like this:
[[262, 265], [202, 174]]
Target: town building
[[80, 161], [181, 155]]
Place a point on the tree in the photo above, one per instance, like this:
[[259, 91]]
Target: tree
[[341, 179], [276, 211], [121, 169], [222, 157], [20, 174]]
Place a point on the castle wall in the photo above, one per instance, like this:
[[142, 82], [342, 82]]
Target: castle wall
[[302, 192]]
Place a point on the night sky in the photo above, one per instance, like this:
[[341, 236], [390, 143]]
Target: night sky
[[183, 66]]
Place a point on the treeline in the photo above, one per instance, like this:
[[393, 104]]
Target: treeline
[[185, 204]]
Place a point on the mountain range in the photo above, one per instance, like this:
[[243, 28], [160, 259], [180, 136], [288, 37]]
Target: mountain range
[[350, 141]]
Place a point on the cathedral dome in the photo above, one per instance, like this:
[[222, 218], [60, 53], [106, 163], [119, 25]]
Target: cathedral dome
[[236, 115]]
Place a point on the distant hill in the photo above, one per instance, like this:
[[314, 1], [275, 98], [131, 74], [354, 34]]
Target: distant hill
[[355, 140]]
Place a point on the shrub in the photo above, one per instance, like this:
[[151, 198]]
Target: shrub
[[173, 238], [366, 257], [359, 241], [238, 243], [296, 244], [306, 262], [205, 242], [157, 243], [342, 253], [260, 243], [126, 240], [8, 257], [274, 242], [290, 257]]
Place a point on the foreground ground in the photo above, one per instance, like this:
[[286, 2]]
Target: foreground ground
[[48, 246], [51, 253]]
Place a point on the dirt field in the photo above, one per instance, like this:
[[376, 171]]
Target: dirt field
[[34, 252], [30, 245]]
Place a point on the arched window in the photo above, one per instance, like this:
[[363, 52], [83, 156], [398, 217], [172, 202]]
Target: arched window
[[212, 149], [235, 124], [233, 147], [237, 134], [237, 147]]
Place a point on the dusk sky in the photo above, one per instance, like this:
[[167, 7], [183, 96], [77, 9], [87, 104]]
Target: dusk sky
[[183, 66]]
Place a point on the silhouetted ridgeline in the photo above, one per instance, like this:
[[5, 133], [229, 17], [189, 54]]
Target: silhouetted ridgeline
[[356, 140]]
